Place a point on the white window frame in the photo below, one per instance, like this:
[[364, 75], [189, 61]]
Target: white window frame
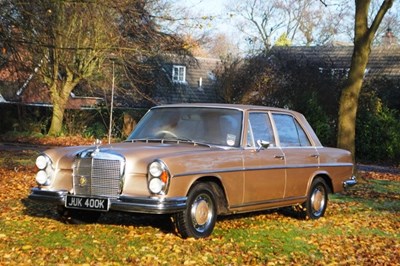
[[178, 73]]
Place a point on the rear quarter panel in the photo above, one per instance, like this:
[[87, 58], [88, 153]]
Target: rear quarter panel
[[337, 163]]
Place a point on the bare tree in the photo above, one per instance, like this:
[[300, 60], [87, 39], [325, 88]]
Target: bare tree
[[221, 46], [301, 17], [193, 24], [316, 24], [258, 20], [301, 21], [71, 40]]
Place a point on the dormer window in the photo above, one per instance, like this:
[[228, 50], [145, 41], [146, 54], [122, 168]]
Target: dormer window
[[178, 73]]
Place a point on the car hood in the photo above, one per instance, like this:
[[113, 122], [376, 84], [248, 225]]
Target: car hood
[[137, 155]]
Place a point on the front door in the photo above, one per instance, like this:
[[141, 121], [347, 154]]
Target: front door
[[265, 167]]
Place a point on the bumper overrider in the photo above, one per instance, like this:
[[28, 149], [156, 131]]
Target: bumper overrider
[[350, 182], [149, 205]]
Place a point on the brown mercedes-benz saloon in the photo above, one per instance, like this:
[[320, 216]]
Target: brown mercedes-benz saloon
[[197, 161]]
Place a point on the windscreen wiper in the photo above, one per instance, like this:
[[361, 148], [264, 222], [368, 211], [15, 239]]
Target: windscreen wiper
[[177, 140]]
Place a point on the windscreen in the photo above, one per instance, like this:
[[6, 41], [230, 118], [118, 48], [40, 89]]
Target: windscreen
[[215, 126]]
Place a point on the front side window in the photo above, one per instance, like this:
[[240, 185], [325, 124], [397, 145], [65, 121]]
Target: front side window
[[179, 73], [289, 131], [259, 129]]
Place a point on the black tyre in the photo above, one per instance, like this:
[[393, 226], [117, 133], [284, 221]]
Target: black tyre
[[198, 220], [78, 216], [317, 199]]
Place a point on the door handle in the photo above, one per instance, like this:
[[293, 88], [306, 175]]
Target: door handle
[[281, 157], [314, 155]]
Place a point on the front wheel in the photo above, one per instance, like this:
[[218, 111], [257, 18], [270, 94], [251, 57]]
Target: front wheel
[[317, 199], [199, 217]]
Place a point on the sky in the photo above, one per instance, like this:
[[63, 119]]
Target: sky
[[209, 8], [223, 23]]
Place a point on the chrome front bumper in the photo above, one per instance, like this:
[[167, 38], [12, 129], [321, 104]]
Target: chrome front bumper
[[149, 205], [350, 182]]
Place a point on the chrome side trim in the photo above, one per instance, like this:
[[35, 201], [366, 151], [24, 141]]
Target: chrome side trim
[[281, 200], [210, 172], [271, 167], [350, 182], [335, 164]]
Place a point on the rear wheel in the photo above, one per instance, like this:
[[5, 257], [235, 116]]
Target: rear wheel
[[317, 199], [199, 217]]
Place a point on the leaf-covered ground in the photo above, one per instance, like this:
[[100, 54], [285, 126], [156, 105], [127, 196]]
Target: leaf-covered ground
[[21, 138], [361, 227]]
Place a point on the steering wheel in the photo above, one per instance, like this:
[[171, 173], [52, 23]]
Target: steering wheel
[[166, 133]]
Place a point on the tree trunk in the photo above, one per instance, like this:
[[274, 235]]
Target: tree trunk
[[57, 118], [363, 37], [349, 99], [59, 98]]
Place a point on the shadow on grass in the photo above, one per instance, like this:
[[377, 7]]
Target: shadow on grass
[[162, 222], [47, 210], [292, 212]]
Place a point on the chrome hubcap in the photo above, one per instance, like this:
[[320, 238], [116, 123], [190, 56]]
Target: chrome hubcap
[[202, 212], [318, 201]]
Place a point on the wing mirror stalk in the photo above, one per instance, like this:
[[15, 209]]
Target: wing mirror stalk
[[262, 144]]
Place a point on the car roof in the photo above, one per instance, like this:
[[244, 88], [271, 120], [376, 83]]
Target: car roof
[[242, 107]]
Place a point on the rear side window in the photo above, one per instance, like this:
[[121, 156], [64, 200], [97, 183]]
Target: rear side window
[[290, 132]]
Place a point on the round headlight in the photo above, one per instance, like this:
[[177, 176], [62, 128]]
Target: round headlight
[[155, 169], [41, 162], [41, 177], [156, 185]]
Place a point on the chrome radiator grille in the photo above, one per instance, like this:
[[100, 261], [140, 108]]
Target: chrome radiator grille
[[97, 176]]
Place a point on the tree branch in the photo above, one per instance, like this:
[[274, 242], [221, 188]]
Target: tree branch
[[386, 5], [323, 2]]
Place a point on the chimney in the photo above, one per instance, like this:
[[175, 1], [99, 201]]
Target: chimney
[[389, 40]]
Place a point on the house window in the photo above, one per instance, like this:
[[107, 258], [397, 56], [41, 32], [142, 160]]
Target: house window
[[179, 73], [335, 72]]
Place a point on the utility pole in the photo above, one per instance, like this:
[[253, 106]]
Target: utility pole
[[112, 100]]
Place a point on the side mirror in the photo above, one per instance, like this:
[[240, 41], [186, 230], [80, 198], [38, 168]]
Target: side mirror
[[262, 144]]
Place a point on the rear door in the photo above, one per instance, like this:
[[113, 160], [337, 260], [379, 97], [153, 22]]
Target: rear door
[[302, 158]]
